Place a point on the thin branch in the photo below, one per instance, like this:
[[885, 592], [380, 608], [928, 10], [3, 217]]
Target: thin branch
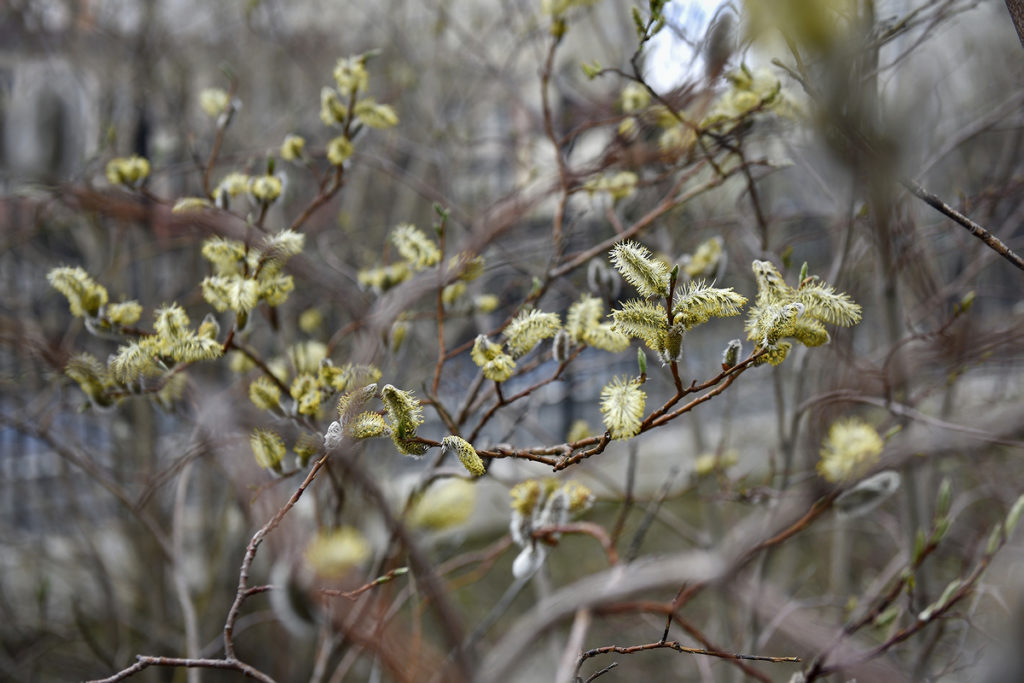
[[589, 528], [678, 647], [981, 233], [250, 553], [146, 661]]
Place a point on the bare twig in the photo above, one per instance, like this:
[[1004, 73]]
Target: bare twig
[[978, 231]]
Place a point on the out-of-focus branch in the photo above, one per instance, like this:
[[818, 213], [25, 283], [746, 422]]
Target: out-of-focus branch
[[1016, 9]]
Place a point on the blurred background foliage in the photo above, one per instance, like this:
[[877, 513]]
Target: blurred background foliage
[[828, 105]]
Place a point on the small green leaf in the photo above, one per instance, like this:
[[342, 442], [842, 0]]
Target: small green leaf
[[1013, 516], [944, 498], [638, 21], [994, 539]]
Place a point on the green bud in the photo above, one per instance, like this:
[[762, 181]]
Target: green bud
[[964, 304], [919, 545], [641, 362], [1014, 516], [803, 274], [941, 527], [947, 594], [787, 253], [995, 539], [944, 498], [887, 617], [638, 22]]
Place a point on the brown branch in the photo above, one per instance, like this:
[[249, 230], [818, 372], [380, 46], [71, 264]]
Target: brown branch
[[675, 645], [549, 130], [589, 528], [503, 401], [231, 344], [981, 233], [353, 594], [1016, 9], [321, 198], [440, 308], [250, 552], [669, 202], [146, 661], [218, 139]]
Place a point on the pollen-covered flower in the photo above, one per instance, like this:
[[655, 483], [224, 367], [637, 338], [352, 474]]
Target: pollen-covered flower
[[350, 74], [128, 171], [266, 188], [466, 453], [634, 97], [332, 110], [279, 247], [801, 313], [234, 184], [225, 255], [293, 147], [528, 329], [209, 328], [468, 269], [580, 498], [265, 394], [191, 204], [677, 140], [306, 446], [635, 263], [352, 402], [582, 316], [375, 115], [525, 496], [305, 389], [405, 414], [706, 259], [384, 278], [499, 368], [415, 247], [606, 338], [404, 410], [451, 293], [267, 448], [621, 185], [851, 448], [485, 303], [622, 405], [698, 302], [133, 361], [214, 101], [334, 553], [232, 292], [645, 320], [339, 150], [367, 425], [85, 296], [91, 375], [618, 186], [171, 322], [444, 505]]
